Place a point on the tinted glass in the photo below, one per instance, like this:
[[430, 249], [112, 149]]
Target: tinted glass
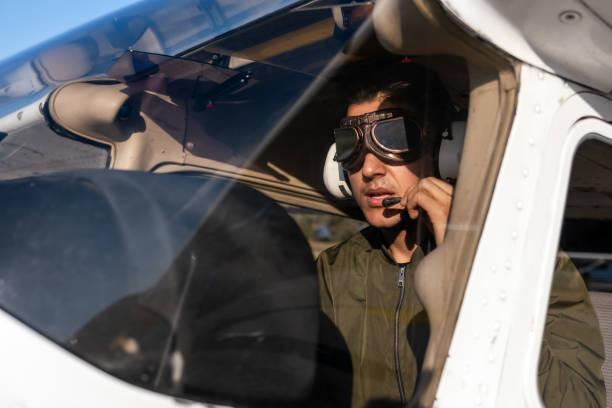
[[238, 88], [324, 230], [397, 134], [256, 104], [223, 103], [155, 26], [335, 3], [38, 150], [346, 141], [177, 284], [573, 348]]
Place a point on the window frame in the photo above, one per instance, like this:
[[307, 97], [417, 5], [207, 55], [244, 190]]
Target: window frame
[[495, 349]]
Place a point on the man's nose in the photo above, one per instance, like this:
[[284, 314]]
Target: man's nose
[[372, 166]]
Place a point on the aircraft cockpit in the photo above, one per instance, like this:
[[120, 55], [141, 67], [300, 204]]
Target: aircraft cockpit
[[169, 180]]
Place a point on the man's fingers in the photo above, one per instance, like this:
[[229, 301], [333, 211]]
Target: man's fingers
[[427, 201], [410, 201], [432, 195], [437, 189], [415, 199], [408, 194], [443, 185]]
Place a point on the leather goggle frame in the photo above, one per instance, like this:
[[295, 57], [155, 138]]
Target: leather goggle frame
[[363, 129]]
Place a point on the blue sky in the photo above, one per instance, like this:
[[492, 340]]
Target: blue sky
[[27, 22]]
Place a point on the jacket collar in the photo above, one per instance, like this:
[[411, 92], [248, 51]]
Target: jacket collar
[[377, 243]]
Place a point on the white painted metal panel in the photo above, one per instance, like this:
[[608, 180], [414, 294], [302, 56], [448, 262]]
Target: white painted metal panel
[[37, 373], [495, 349], [567, 37]]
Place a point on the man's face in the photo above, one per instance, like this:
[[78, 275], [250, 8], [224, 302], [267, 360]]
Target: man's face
[[377, 180]]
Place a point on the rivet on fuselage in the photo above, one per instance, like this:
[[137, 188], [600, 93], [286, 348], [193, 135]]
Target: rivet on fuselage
[[483, 389], [570, 17]]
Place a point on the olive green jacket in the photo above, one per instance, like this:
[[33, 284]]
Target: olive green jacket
[[360, 295]]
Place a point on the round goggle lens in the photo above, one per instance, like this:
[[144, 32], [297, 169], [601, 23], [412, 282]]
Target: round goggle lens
[[397, 135], [346, 141]]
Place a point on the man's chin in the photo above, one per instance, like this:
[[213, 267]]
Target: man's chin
[[384, 219]]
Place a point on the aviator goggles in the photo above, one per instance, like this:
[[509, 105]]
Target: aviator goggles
[[388, 134]]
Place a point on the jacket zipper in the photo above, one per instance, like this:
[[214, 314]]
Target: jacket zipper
[[398, 373]]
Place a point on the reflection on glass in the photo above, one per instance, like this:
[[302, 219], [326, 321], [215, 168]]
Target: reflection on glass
[[572, 367], [155, 26], [183, 285], [324, 230]]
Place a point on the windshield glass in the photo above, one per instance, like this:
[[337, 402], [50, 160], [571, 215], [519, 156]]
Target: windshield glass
[[248, 115], [184, 285], [156, 26], [169, 282], [215, 109]]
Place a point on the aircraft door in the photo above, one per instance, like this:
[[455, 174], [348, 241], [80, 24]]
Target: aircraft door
[[494, 358]]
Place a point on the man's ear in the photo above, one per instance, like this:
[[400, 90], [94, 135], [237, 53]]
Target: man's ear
[[334, 176]]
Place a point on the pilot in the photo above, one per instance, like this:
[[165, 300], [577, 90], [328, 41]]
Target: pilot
[[386, 145]]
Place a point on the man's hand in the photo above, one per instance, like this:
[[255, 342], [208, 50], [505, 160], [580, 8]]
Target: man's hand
[[434, 196]]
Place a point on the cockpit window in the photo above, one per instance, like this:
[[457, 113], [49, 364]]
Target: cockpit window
[[151, 26], [184, 308], [576, 344], [186, 286]]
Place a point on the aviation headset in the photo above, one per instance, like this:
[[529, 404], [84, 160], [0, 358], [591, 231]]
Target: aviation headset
[[336, 178], [393, 134]]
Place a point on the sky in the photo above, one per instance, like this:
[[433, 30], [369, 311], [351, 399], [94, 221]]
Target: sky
[[28, 22]]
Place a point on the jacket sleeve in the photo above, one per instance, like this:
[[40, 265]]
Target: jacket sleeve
[[569, 372]]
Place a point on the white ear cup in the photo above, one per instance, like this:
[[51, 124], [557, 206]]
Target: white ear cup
[[334, 177], [450, 151]]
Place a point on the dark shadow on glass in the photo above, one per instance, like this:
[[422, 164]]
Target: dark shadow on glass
[[334, 378], [194, 287], [417, 334]]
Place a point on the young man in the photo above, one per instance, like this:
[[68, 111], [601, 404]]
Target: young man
[[387, 145]]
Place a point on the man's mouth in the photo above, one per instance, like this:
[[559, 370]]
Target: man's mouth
[[375, 197]]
